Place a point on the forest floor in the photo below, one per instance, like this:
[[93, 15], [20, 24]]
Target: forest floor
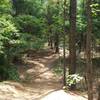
[[38, 82]]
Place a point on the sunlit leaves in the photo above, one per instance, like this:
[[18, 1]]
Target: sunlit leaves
[[95, 8], [29, 24], [5, 6], [73, 79]]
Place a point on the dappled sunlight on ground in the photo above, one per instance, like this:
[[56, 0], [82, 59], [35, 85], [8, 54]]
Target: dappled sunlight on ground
[[15, 91], [38, 82], [36, 62]]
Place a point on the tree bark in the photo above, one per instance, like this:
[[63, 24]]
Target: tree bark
[[99, 91], [49, 23], [89, 71], [56, 43], [64, 43], [72, 40], [56, 33]]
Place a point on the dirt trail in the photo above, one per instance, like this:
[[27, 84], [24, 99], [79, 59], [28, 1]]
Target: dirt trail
[[40, 77], [38, 80]]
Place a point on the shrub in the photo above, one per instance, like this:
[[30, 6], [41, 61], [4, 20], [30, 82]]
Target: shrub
[[9, 73], [73, 79]]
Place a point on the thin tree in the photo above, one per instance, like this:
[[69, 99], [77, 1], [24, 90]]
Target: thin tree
[[49, 23], [89, 71], [56, 39], [64, 40], [99, 91], [72, 38]]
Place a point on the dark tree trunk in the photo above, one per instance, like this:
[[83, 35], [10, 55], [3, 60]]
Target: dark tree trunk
[[64, 62], [49, 23], [56, 43], [89, 71], [51, 43], [64, 42], [72, 40], [99, 91], [56, 39]]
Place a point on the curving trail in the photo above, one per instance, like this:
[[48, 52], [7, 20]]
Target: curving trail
[[38, 81]]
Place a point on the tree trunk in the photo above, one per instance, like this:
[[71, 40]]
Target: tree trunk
[[64, 42], [56, 43], [56, 40], [49, 23], [72, 41], [89, 71], [99, 91]]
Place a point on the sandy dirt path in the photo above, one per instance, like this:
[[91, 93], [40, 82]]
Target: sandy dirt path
[[38, 82]]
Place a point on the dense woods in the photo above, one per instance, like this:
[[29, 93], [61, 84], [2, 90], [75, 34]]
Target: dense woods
[[68, 28]]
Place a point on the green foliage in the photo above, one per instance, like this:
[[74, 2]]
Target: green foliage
[[95, 9], [9, 36], [58, 67], [73, 79], [34, 42], [81, 17], [13, 73], [58, 70], [8, 39], [96, 19], [82, 20], [29, 24], [5, 6], [38, 44], [9, 73], [27, 7], [8, 33]]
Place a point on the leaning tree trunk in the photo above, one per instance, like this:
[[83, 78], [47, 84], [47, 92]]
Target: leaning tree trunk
[[89, 72], [72, 41]]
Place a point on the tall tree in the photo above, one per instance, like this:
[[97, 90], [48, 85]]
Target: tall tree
[[56, 33], [72, 35], [64, 35], [52, 21], [49, 23], [89, 72]]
